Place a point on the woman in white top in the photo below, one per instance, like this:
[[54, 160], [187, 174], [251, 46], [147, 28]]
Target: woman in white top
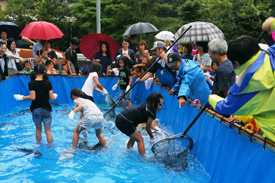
[[13, 57], [92, 82]]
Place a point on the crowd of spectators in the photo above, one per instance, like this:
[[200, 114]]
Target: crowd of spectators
[[191, 70]]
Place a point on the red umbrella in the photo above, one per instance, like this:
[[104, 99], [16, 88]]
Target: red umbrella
[[90, 44], [41, 30]]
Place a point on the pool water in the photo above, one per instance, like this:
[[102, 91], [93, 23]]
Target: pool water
[[114, 164]]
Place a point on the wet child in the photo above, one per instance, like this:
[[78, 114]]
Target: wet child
[[50, 67], [92, 82], [125, 81], [40, 93], [128, 120], [28, 68], [90, 117]]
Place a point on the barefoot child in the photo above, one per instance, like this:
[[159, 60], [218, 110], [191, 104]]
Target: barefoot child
[[92, 82], [125, 81], [90, 117], [40, 93], [128, 120]]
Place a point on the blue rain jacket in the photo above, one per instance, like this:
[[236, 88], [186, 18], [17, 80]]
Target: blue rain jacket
[[191, 82]]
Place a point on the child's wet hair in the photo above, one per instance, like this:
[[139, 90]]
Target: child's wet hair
[[78, 93], [39, 69], [153, 100]]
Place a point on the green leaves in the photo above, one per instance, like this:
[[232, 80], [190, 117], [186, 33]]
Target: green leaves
[[233, 17]]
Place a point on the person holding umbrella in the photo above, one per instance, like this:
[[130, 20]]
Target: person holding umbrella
[[168, 44], [125, 51], [9, 30], [203, 57], [133, 43], [4, 37], [187, 51], [103, 56], [46, 53]]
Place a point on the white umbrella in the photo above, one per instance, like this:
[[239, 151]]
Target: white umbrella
[[163, 35]]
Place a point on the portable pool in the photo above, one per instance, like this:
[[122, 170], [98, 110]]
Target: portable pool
[[219, 154]]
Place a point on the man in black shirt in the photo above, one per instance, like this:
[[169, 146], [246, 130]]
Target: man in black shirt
[[71, 57]]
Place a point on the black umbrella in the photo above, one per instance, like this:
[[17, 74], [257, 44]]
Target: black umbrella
[[11, 29], [140, 28]]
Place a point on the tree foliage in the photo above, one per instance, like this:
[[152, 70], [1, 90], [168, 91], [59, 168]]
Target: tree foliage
[[233, 17]]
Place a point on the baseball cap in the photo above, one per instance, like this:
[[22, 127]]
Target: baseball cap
[[158, 44], [173, 59]]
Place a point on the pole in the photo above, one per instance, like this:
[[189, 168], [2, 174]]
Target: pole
[[98, 23], [60, 66]]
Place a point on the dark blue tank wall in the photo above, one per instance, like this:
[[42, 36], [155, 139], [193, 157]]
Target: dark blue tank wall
[[225, 155]]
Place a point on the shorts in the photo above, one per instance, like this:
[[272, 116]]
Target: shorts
[[125, 126], [128, 96], [94, 121], [42, 115]]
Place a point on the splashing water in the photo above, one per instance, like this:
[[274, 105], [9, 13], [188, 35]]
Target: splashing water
[[112, 164]]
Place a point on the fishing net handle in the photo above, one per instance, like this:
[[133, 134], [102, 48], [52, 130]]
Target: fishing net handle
[[147, 70], [207, 105]]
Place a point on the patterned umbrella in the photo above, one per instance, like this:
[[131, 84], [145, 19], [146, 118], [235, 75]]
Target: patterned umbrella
[[200, 31], [140, 28]]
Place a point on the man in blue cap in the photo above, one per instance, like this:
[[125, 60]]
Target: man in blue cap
[[191, 82]]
